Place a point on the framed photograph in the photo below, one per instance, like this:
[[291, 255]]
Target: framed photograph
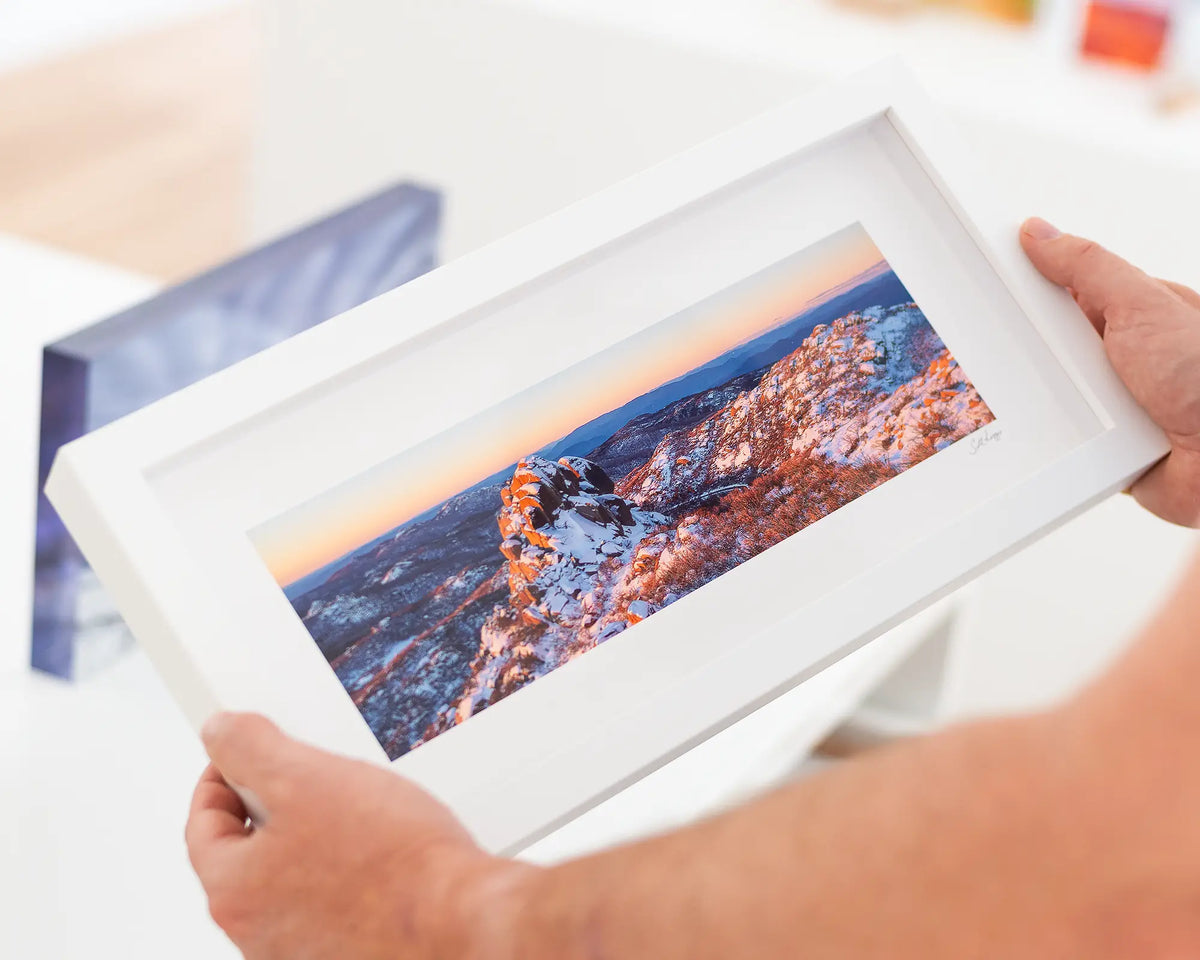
[[543, 519]]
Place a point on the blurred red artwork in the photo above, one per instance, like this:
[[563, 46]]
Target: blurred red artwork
[[1129, 32]]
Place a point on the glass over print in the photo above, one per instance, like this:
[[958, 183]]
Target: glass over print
[[443, 581]]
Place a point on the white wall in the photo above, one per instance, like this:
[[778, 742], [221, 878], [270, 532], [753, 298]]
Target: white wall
[[517, 107]]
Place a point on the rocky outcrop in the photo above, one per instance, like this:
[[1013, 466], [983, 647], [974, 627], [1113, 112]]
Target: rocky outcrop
[[564, 534], [560, 523]]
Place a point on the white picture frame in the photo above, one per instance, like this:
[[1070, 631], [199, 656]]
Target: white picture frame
[[163, 502]]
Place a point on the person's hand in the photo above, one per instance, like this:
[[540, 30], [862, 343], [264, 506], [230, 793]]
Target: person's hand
[[353, 861], [1151, 331]]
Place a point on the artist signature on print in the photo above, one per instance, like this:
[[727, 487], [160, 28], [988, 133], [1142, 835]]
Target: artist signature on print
[[984, 439]]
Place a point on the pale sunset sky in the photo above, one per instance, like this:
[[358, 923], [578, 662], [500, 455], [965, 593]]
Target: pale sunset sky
[[356, 512]]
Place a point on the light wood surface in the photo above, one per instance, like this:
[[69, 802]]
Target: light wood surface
[[136, 152]]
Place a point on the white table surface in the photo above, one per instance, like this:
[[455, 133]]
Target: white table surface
[[95, 777]]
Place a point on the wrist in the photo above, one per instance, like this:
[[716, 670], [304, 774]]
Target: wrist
[[487, 907]]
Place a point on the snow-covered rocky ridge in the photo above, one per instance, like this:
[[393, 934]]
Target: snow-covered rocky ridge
[[560, 523], [871, 386], [860, 400], [508, 580], [564, 535]]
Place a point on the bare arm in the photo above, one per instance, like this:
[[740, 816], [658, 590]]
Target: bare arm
[[1070, 833]]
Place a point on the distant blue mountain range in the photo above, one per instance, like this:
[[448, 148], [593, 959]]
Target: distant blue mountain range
[[879, 289]]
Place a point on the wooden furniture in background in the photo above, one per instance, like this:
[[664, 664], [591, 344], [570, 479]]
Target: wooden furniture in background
[[135, 152]]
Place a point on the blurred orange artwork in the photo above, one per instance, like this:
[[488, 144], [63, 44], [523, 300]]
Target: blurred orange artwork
[[1133, 34]]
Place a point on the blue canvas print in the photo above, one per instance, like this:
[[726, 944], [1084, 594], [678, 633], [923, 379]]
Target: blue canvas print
[[186, 333]]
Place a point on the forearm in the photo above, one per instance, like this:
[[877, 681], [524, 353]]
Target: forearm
[[1162, 667], [854, 862], [1146, 706], [849, 864]]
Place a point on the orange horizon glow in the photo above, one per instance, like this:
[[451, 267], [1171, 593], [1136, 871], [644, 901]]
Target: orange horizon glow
[[358, 511]]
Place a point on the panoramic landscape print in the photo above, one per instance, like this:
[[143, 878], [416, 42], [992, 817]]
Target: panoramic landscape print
[[437, 585]]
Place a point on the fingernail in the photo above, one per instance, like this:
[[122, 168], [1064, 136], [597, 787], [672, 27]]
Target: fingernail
[[1039, 229], [211, 725]]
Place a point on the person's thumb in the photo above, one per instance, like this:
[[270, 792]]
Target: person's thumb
[[1101, 281], [249, 751]]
